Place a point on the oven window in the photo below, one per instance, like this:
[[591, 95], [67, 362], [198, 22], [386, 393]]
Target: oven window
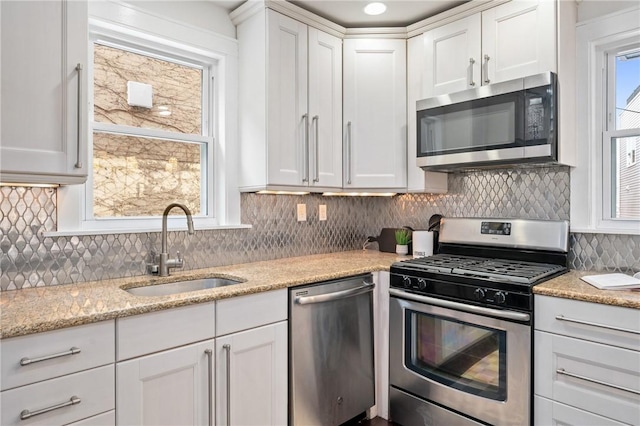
[[461, 355]]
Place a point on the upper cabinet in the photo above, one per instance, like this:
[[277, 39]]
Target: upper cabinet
[[375, 114], [43, 106], [509, 41], [290, 104]]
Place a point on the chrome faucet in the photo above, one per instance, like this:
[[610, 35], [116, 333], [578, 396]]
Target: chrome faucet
[[165, 263]]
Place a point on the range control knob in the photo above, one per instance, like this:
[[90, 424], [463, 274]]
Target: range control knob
[[406, 281], [422, 283], [479, 293], [499, 297]]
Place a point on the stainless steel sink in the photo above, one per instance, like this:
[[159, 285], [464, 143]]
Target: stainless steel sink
[[181, 287]]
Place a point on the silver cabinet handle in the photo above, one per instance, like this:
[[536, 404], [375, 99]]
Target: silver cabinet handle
[[307, 300], [594, 324], [348, 159], [305, 162], [26, 414], [26, 360], [486, 69], [227, 348], [598, 382], [471, 62], [209, 353], [78, 164], [316, 119]]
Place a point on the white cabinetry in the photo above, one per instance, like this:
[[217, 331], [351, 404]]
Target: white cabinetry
[[509, 41], [59, 377], [251, 359], [42, 43], [290, 104], [375, 120], [586, 362]]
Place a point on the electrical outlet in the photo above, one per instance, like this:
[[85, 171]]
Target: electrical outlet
[[322, 212], [302, 212]]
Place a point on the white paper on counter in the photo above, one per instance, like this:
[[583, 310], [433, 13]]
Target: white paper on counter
[[612, 281]]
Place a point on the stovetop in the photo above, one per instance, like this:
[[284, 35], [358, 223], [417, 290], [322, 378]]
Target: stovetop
[[495, 269]]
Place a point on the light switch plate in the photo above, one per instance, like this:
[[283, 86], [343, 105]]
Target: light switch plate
[[302, 212], [322, 212]]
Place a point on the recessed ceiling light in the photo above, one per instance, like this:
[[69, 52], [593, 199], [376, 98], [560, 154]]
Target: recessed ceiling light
[[375, 8]]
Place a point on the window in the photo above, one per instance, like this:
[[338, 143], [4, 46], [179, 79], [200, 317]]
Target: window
[[622, 134], [151, 133], [179, 146], [605, 184]]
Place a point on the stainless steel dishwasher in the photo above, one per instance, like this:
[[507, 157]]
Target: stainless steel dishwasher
[[331, 369]]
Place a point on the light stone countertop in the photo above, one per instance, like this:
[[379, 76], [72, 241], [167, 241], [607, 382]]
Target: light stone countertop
[[39, 309], [570, 286]]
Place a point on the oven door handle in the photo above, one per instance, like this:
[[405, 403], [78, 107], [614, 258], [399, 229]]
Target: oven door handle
[[509, 315]]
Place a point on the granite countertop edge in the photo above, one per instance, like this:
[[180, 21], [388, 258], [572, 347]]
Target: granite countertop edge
[[570, 286], [40, 309]]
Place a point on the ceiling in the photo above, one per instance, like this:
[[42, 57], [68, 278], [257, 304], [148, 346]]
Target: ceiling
[[349, 13]]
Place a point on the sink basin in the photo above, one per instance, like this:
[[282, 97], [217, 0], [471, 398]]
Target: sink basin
[[181, 287]]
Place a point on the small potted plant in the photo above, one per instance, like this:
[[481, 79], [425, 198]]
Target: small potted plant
[[403, 238]]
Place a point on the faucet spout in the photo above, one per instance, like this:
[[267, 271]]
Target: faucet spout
[[165, 262]]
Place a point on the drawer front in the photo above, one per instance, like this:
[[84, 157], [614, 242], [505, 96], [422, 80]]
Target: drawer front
[[608, 324], [104, 419], [42, 356], [550, 413], [94, 390], [255, 310], [601, 379], [156, 331]]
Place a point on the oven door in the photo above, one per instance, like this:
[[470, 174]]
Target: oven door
[[471, 363]]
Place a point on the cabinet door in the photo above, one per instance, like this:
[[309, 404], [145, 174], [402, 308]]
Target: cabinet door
[[417, 179], [452, 54], [40, 104], [173, 387], [375, 114], [325, 109], [288, 129], [518, 39], [252, 377], [551, 413]]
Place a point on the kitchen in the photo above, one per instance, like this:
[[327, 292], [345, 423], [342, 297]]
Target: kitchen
[[33, 258]]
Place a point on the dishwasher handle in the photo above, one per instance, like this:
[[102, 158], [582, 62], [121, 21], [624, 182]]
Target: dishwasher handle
[[320, 298]]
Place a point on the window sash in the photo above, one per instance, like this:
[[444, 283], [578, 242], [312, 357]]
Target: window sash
[[609, 186]]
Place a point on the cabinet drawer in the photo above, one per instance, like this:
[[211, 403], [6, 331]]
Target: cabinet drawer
[[50, 354], [601, 379], [245, 312], [613, 325], [94, 389], [156, 331], [550, 413]]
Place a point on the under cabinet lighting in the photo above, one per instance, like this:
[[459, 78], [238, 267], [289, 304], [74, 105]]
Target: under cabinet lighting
[[359, 194], [375, 8], [30, 185], [283, 192]]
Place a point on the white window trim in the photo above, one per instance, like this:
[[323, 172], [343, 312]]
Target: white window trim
[[588, 196], [111, 19]]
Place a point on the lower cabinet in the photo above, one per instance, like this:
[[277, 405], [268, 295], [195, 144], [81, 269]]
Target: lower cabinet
[[251, 366], [171, 387]]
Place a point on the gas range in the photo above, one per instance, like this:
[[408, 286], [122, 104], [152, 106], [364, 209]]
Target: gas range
[[488, 262]]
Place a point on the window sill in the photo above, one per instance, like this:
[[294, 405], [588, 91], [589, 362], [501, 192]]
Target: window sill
[[614, 231], [142, 230]]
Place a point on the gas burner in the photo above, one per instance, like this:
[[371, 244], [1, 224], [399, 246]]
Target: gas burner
[[514, 271]]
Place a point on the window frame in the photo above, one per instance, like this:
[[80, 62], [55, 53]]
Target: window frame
[[120, 20], [592, 190], [206, 136]]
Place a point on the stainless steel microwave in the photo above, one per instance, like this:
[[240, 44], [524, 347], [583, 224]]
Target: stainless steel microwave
[[508, 123]]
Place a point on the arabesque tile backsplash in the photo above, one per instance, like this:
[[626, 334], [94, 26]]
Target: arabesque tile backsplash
[[29, 259]]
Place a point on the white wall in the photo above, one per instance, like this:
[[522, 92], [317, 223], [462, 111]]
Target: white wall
[[203, 14], [590, 9]]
